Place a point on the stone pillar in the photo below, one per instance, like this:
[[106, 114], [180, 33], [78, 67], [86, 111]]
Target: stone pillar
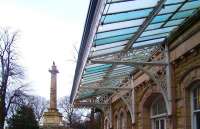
[[53, 118], [53, 94]]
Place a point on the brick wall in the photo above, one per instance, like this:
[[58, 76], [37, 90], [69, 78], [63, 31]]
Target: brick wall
[[185, 60]]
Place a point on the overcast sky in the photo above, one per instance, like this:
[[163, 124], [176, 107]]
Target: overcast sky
[[48, 31]]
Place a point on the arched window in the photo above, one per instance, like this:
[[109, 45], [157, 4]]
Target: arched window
[[196, 107], [158, 113]]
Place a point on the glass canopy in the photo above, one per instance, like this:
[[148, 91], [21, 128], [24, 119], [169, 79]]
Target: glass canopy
[[121, 21]]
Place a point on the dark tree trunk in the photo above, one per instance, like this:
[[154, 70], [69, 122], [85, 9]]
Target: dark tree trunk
[[3, 108], [2, 111], [9, 68]]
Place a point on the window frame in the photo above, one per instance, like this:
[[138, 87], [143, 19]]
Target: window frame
[[158, 117], [193, 110]]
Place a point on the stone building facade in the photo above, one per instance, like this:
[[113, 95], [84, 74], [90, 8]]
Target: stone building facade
[[150, 108], [161, 86]]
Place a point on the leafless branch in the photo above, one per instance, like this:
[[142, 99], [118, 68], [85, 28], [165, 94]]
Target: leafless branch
[[12, 91]]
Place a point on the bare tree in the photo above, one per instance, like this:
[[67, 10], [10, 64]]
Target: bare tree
[[79, 118], [69, 113], [39, 105], [11, 74], [15, 98]]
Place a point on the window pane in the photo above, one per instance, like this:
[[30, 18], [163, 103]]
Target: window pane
[[191, 5], [158, 107], [94, 75], [169, 9], [122, 70], [157, 124], [108, 46], [154, 26], [125, 16], [120, 25], [126, 6], [162, 124], [161, 18], [95, 71], [106, 51], [173, 1], [92, 65], [174, 22], [90, 81], [112, 39], [183, 14], [122, 67], [157, 31], [120, 73], [196, 97], [99, 67], [92, 78], [152, 37], [197, 120], [150, 41], [116, 32]]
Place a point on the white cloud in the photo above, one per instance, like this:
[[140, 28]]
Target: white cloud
[[44, 38]]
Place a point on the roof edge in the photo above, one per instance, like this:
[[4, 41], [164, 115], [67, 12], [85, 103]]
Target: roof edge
[[83, 47]]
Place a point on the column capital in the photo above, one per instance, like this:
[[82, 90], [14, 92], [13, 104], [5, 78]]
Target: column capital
[[53, 69]]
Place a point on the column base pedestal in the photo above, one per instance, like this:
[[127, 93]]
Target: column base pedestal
[[52, 118]]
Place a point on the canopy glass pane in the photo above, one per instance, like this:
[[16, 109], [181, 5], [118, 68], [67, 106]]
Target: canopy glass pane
[[98, 67], [174, 22], [158, 31], [108, 46], [161, 35], [120, 25], [183, 14], [127, 6], [112, 39], [154, 26], [125, 16], [191, 5], [106, 51], [159, 40], [169, 9], [125, 23], [116, 32], [174, 1], [161, 18]]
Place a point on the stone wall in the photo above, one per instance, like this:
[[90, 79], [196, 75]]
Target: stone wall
[[185, 70]]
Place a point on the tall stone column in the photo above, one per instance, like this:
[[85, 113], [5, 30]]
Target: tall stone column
[[52, 118], [53, 91]]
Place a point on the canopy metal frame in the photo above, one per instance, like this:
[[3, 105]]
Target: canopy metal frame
[[150, 68], [109, 71]]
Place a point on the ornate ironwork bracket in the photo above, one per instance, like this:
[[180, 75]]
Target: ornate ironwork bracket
[[161, 75], [129, 100], [158, 69], [97, 102]]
